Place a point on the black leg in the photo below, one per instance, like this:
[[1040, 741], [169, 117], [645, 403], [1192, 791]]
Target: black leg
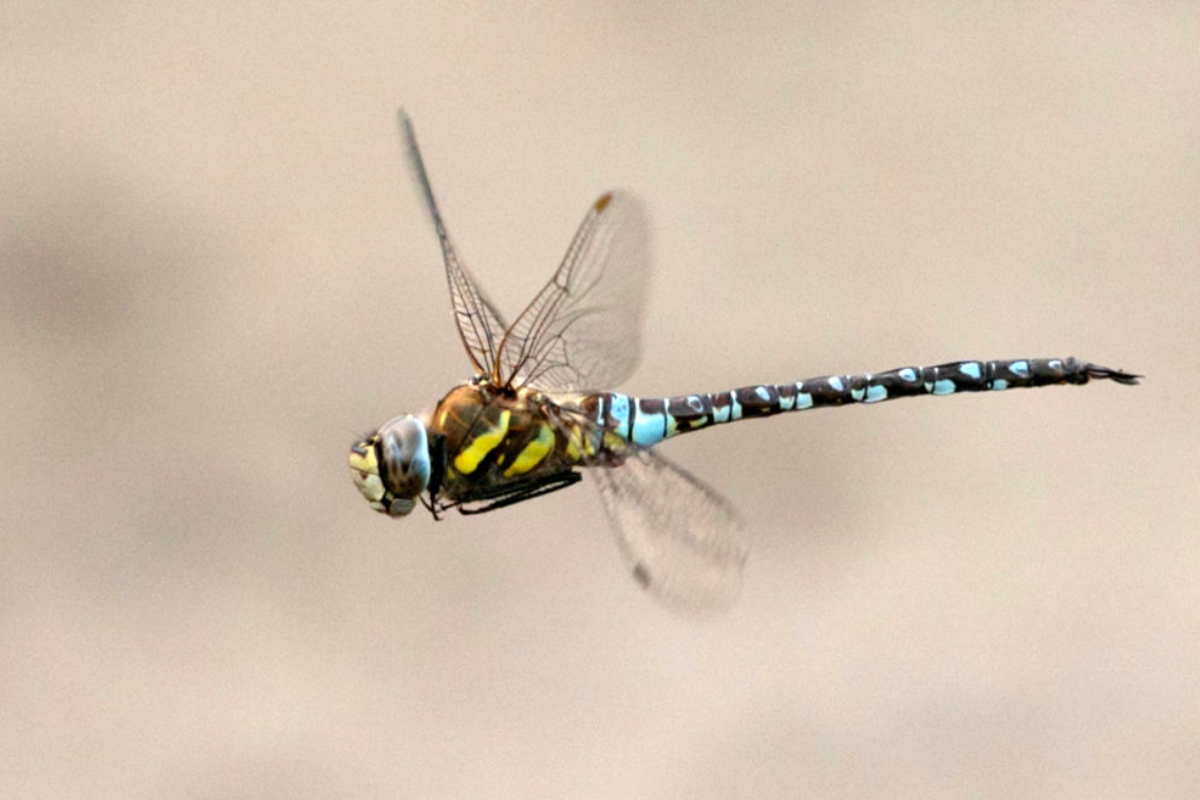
[[432, 505], [501, 496]]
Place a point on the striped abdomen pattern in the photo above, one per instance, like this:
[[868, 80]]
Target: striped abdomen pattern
[[647, 421]]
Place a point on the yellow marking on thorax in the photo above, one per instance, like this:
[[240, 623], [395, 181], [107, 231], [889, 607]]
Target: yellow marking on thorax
[[466, 461], [614, 442], [578, 443], [533, 453], [574, 443]]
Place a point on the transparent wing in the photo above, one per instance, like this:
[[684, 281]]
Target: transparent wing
[[583, 330], [479, 324], [680, 539]]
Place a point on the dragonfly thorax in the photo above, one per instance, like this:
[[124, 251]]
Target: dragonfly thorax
[[391, 468]]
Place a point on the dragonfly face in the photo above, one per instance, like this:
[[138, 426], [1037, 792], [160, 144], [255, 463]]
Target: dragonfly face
[[391, 467]]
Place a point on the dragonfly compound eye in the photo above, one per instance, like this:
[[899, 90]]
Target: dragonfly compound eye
[[402, 449]]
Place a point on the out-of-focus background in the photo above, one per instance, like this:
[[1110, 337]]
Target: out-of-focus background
[[214, 272]]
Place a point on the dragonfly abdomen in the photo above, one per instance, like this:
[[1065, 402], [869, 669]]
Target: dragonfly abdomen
[[647, 421]]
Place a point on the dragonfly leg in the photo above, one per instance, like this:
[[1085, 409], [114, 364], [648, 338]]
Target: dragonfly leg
[[501, 496], [432, 506]]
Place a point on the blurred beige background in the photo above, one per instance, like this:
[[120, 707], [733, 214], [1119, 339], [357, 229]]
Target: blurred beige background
[[214, 272]]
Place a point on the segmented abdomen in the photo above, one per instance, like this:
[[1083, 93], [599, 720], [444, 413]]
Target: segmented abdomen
[[647, 421]]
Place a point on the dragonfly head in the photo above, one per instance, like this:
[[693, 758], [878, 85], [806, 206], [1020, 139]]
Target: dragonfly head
[[391, 467]]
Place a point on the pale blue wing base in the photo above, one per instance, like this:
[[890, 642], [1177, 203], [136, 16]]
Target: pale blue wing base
[[681, 541]]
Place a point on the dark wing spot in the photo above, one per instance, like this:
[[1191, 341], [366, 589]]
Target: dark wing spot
[[641, 575]]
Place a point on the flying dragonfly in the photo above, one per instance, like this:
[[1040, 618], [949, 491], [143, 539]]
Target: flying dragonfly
[[539, 410]]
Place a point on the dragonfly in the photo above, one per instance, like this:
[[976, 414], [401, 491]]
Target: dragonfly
[[539, 410]]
